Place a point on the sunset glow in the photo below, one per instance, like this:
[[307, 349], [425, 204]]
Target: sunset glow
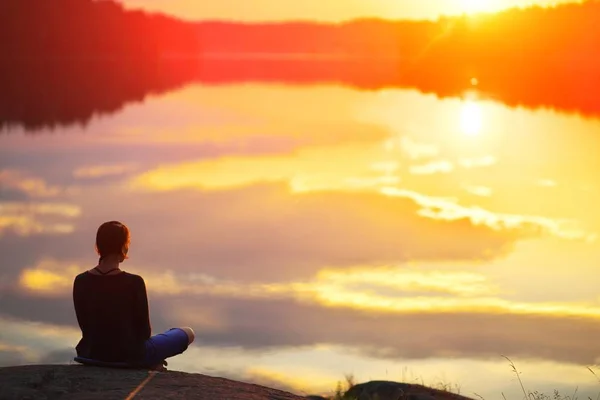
[[474, 6], [335, 10]]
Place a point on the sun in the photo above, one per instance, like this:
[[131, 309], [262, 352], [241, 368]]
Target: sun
[[471, 118]]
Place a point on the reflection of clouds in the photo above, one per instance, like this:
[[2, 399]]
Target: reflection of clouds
[[278, 380], [37, 218], [269, 231], [314, 168], [481, 191], [11, 355], [432, 167], [58, 356], [485, 161], [11, 358], [397, 290], [415, 150], [471, 118], [37, 342], [447, 209], [250, 323], [386, 313], [99, 171], [547, 183], [31, 186], [48, 278]]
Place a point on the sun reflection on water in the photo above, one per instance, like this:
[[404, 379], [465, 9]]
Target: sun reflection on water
[[471, 118]]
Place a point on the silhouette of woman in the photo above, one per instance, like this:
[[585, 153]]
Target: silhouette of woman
[[112, 310]]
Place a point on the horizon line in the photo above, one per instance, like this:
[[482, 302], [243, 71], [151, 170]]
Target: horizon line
[[333, 22]]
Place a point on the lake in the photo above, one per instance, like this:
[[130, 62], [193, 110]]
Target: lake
[[307, 229]]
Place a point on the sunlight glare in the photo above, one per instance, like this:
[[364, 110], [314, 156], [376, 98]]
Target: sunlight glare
[[476, 6], [471, 119]]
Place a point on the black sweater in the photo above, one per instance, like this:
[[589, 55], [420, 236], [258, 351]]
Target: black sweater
[[112, 312]]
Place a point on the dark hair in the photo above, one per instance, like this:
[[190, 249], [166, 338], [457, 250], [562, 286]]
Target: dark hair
[[112, 238]]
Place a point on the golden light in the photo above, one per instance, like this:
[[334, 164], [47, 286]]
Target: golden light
[[471, 118], [475, 6], [42, 281]]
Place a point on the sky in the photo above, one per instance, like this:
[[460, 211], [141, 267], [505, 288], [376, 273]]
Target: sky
[[331, 10]]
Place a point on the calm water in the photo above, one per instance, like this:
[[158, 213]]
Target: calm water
[[311, 231]]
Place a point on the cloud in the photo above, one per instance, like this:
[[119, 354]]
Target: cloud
[[24, 342], [485, 161], [60, 356], [379, 289], [30, 218], [528, 225], [55, 279], [415, 150], [265, 377], [26, 184], [433, 167], [57, 310], [100, 171], [9, 358], [546, 183], [310, 169], [481, 191], [383, 313], [48, 278], [439, 313], [12, 355], [250, 323], [270, 232]]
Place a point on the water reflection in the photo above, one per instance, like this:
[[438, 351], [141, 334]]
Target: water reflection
[[533, 58], [471, 118], [77, 91], [374, 211]]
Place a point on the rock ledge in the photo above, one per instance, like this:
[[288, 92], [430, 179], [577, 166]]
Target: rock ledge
[[66, 382]]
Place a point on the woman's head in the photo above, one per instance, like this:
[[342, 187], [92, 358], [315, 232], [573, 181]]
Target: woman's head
[[112, 240]]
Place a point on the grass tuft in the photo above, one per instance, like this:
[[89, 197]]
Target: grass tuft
[[350, 381]]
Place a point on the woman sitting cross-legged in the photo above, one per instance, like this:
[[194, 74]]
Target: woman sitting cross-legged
[[112, 310]]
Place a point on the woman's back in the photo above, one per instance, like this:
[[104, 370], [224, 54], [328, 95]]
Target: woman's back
[[112, 311]]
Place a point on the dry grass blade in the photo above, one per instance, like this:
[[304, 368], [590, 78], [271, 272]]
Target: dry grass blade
[[593, 373], [518, 374]]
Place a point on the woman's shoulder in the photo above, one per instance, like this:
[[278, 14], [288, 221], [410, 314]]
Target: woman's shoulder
[[124, 275], [81, 276], [132, 277]]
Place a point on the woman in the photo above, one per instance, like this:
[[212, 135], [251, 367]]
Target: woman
[[112, 309]]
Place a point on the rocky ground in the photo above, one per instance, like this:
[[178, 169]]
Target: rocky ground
[[76, 382], [66, 382]]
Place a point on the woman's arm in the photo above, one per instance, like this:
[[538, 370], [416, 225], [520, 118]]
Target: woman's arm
[[78, 303], [141, 310]]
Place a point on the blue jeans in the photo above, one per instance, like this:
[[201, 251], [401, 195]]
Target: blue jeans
[[164, 345]]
